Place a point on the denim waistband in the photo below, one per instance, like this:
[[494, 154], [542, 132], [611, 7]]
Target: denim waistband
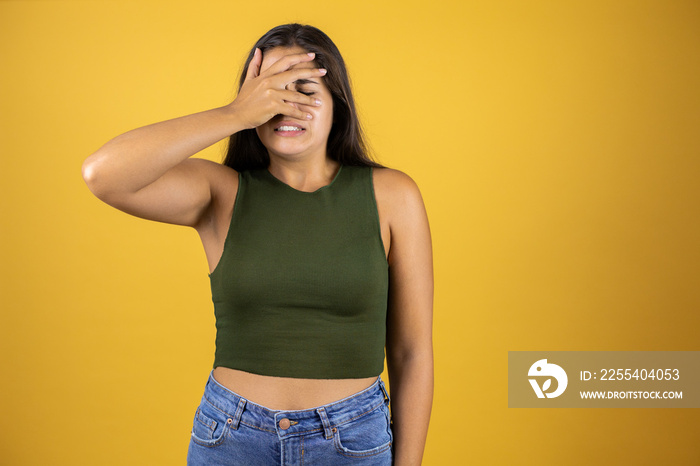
[[326, 417]]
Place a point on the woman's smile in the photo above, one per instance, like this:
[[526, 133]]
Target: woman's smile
[[288, 129]]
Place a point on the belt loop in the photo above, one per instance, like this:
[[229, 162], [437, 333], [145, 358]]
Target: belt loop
[[326, 423], [239, 412], [386, 394]]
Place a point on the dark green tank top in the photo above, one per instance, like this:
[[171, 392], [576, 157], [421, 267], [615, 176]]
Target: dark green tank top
[[301, 287]]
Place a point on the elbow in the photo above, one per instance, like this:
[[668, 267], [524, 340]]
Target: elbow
[[89, 172], [93, 176]]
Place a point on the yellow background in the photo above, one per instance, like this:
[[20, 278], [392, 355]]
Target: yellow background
[[556, 146]]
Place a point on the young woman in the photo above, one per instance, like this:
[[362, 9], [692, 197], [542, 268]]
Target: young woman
[[319, 259]]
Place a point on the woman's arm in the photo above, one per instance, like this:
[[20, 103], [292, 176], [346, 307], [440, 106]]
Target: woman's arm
[[410, 314], [146, 171]]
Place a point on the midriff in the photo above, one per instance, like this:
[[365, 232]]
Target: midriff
[[286, 393]]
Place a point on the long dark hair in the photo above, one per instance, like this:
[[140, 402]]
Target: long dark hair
[[346, 142]]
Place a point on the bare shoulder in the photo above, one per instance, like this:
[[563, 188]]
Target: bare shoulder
[[401, 207], [223, 186], [392, 178], [223, 180], [396, 191], [213, 170]]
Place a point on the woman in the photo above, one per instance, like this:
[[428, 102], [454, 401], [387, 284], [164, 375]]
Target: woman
[[319, 258]]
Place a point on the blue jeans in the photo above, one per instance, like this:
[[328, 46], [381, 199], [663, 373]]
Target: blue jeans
[[230, 430]]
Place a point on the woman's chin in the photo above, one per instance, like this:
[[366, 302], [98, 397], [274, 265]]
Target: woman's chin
[[289, 151]]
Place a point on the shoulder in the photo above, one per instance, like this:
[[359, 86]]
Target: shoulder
[[396, 189], [210, 169], [391, 176], [223, 187], [400, 203], [222, 179]]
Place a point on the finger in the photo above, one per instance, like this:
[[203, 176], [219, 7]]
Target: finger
[[281, 80], [287, 62], [254, 65], [290, 110], [299, 98]]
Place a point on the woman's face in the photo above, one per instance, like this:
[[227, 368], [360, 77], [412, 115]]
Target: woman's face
[[313, 137]]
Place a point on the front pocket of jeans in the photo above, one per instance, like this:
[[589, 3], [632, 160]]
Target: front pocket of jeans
[[210, 426], [367, 435]]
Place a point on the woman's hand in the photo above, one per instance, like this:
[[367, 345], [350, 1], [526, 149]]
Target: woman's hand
[[145, 171], [264, 95]]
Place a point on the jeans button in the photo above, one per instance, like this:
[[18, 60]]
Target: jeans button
[[284, 424]]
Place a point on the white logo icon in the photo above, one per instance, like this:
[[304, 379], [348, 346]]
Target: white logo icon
[[542, 368]]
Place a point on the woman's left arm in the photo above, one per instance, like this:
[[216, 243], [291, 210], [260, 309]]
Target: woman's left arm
[[409, 344]]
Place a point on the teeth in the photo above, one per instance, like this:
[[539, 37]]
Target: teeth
[[289, 128]]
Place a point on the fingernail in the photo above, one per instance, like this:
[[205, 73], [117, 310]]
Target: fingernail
[[322, 70], [311, 54], [308, 116]]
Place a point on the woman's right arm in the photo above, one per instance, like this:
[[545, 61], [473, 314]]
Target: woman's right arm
[[147, 172]]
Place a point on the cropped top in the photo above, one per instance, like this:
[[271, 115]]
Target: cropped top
[[301, 288]]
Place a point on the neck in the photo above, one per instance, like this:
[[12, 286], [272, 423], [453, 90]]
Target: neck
[[304, 175]]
